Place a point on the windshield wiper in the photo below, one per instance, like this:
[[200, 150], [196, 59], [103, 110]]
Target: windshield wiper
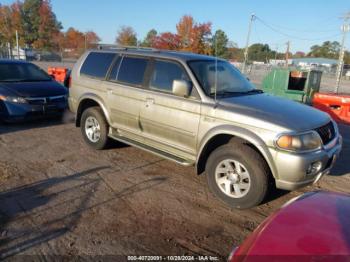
[[8, 80], [24, 80], [255, 91], [222, 93], [33, 80], [237, 93]]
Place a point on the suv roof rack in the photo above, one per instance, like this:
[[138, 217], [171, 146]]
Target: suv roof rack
[[125, 48]]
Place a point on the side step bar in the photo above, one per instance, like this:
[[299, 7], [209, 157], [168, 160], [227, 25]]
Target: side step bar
[[153, 150]]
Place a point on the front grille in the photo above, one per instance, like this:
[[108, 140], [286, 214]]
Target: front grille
[[326, 132], [57, 99], [46, 100], [36, 101]]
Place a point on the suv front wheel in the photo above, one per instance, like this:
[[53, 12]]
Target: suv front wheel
[[94, 128], [238, 175]]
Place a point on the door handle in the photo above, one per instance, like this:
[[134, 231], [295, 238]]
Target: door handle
[[149, 101]]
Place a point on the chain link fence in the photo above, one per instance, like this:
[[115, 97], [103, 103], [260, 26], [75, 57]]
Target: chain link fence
[[256, 74], [29, 54], [4, 52]]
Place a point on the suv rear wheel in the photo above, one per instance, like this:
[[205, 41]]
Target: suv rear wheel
[[238, 175], [94, 128]]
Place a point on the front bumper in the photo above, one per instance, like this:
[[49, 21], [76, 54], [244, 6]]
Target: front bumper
[[292, 167], [16, 112]]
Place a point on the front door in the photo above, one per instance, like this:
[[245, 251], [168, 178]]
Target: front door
[[167, 121]]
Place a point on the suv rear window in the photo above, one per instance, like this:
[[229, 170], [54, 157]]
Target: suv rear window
[[132, 70], [97, 64]]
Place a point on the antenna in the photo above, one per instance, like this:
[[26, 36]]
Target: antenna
[[345, 28], [216, 69]]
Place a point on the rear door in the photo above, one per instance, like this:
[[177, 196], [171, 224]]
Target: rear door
[[125, 92], [170, 122]]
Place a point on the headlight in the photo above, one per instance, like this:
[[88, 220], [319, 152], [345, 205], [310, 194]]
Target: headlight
[[13, 99], [300, 142]]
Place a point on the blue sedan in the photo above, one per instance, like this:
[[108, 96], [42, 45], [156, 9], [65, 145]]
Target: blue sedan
[[27, 92]]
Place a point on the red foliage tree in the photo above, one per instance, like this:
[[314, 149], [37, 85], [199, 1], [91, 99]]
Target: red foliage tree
[[194, 36], [167, 41]]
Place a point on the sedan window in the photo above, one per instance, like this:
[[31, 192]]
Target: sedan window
[[22, 72]]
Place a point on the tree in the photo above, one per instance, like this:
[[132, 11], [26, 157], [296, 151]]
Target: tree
[[347, 58], [299, 54], [185, 31], [40, 25], [126, 36], [6, 32], [10, 21], [219, 44], [48, 28], [34, 21], [150, 38], [327, 50], [235, 54], [75, 42], [201, 38], [261, 52], [31, 20], [74, 39], [167, 41], [92, 39], [194, 37]]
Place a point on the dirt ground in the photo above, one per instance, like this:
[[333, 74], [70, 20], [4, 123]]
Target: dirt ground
[[59, 197]]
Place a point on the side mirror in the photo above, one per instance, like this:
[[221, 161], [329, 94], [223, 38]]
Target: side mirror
[[181, 88]]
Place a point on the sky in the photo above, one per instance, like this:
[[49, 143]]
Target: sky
[[303, 23]]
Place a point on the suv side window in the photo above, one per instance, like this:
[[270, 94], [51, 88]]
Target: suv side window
[[97, 64], [132, 70], [164, 73], [115, 69]]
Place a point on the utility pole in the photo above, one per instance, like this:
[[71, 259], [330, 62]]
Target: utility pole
[[287, 53], [17, 44], [345, 28], [276, 53], [9, 50], [252, 18]]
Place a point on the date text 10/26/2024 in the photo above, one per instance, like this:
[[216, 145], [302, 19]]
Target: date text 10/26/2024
[[172, 258]]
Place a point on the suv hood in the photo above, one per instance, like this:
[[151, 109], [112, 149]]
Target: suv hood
[[34, 89], [267, 111]]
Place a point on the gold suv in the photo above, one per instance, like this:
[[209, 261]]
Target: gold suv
[[199, 110]]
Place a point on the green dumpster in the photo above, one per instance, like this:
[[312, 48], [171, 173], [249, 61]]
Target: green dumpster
[[298, 85]]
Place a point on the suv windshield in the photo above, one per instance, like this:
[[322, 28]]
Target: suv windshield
[[21, 72], [227, 79]]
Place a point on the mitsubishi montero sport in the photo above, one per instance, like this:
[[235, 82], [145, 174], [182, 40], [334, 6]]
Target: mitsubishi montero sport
[[201, 111]]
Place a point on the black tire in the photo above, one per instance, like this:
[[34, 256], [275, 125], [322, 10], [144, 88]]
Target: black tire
[[258, 169], [97, 113]]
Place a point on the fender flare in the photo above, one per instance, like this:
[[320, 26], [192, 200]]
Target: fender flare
[[98, 100], [243, 133]]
